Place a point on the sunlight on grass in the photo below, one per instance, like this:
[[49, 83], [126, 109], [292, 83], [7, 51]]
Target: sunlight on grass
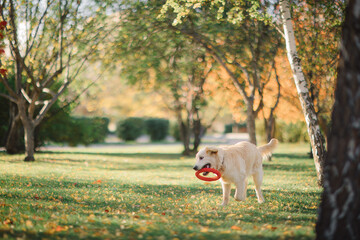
[[150, 192]]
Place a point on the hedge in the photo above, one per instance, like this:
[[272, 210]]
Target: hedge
[[157, 128], [130, 129]]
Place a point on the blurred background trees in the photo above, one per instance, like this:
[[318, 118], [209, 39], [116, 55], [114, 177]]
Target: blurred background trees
[[273, 14], [200, 65], [49, 44]]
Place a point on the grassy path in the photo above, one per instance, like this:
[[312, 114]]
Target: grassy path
[[150, 192]]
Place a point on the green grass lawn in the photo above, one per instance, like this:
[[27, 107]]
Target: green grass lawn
[[150, 192]]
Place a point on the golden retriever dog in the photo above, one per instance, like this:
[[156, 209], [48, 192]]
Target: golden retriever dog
[[236, 163]]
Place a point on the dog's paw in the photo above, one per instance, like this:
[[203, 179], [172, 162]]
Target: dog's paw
[[261, 201], [240, 199]]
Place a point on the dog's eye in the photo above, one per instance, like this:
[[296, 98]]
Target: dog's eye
[[201, 158]]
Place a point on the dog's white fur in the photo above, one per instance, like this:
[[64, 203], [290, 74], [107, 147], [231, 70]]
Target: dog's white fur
[[235, 164]]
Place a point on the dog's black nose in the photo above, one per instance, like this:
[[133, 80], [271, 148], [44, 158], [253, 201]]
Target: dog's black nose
[[195, 168]]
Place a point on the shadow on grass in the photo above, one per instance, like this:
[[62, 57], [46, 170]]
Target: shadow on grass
[[120, 162], [291, 168], [135, 197], [124, 155], [296, 166], [131, 233], [294, 156], [46, 189], [119, 165]]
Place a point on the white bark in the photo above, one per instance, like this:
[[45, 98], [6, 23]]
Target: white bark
[[315, 135], [294, 60]]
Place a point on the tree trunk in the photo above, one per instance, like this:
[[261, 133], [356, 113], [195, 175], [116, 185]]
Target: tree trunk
[[29, 130], [269, 129], [14, 140], [339, 213], [250, 123], [14, 143], [184, 133], [185, 138], [197, 129], [316, 138]]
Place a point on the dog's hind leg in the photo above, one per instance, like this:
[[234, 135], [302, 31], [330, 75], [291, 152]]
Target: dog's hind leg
[[258, 177], [240, 193], [226, 192]]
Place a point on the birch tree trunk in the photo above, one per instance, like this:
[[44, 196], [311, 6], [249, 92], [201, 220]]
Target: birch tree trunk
[[316, 138], [339, 213]]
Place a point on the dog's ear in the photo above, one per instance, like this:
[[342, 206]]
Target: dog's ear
[[211, 150]]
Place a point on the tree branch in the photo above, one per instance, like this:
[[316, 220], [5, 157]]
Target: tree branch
[[49, 103], [12, 99], [217, 56], [7, 86], [28, 50]]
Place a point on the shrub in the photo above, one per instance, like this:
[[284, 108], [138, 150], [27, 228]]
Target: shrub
[[175, 131], [293, 132], [100, 129], [228, 128], [57, 128], [130, 129], [4, 120], [157, 128], [285, 132], [235, 127], [74, 130]]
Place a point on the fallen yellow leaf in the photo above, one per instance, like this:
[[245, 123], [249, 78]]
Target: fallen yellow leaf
[[29, 223], [236, 228]]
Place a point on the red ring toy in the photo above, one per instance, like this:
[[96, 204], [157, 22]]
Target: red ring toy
[[209, 179]]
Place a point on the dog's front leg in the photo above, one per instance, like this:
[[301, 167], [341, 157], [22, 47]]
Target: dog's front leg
[[226, 193]]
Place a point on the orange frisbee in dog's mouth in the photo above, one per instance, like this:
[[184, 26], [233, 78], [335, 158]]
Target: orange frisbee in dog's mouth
[[207, 170]]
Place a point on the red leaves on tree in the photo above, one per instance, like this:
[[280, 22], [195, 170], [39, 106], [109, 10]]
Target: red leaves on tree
[[3, 25], [3, 71]]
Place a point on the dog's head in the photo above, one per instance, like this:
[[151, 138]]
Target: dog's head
[[209, 157]]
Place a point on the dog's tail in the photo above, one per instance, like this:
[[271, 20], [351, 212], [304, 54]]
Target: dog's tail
[[267, 149]]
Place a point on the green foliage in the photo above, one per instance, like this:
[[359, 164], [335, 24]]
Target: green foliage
[[286, 132], [59, 38], [72, 130], [157, 128], [88, 130], [229, 127], [58, 125], [150, 192], [5, 111], [318, 32], [175, 131], [130, 128], [292, 132], [231, 11], [4, 119]]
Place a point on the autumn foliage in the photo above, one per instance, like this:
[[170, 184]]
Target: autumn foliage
[[289, 109], [3, 24]]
